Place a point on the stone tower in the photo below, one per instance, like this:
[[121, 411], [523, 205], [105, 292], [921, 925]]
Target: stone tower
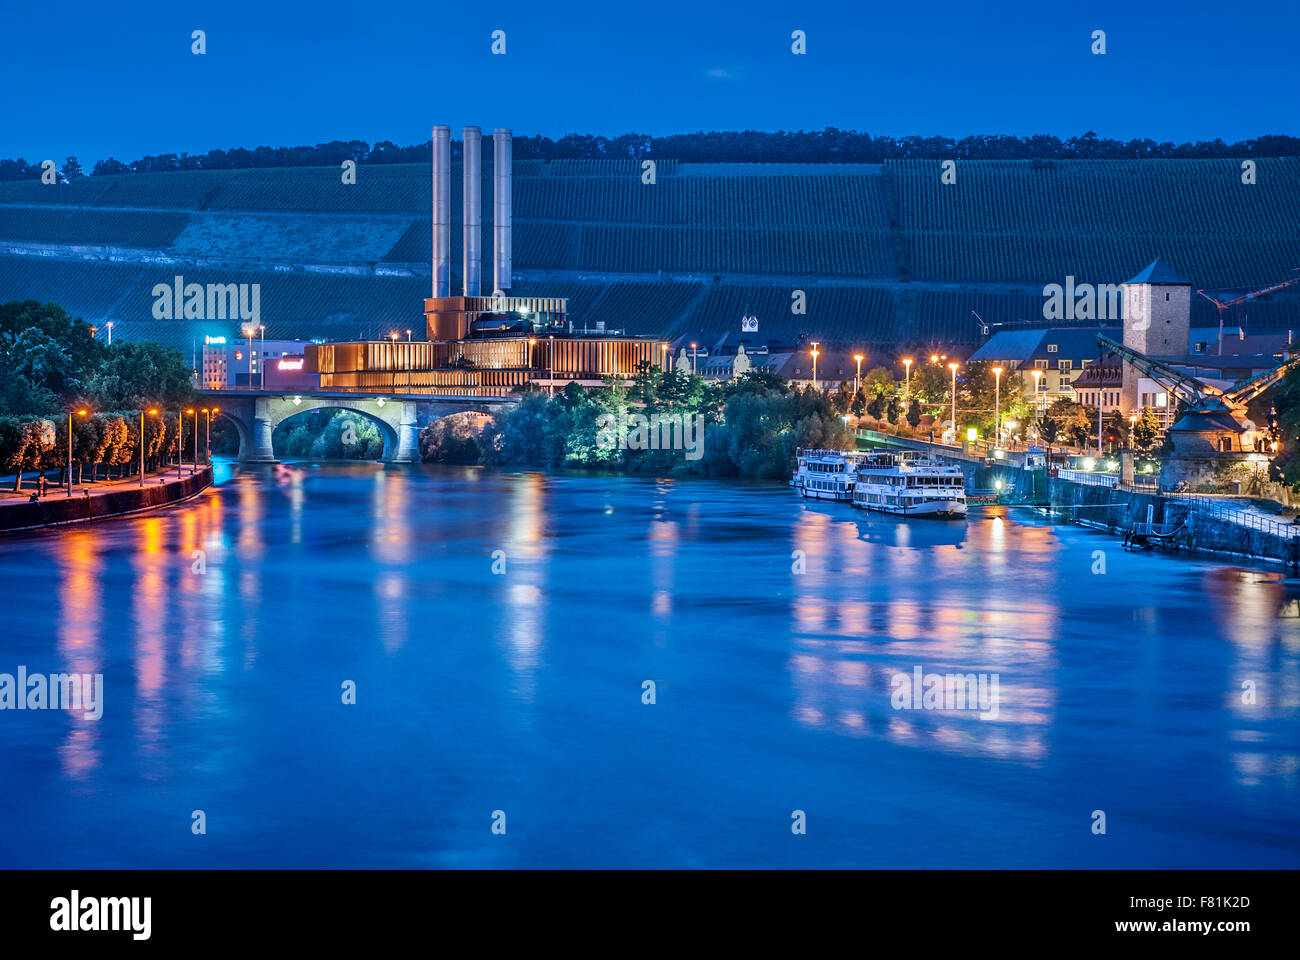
[[1157, 321]]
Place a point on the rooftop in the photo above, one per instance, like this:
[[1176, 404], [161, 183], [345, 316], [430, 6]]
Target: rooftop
[[1157, 271]]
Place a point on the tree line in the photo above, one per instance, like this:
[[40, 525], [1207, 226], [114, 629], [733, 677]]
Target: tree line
[[751, 426], [110, 441], [50, 362], [830, 145], [52, 365]]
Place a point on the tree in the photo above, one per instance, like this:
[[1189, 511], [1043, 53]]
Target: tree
[[1062, 409], [1050, 429], [859, 404], [1146, 431], [138, 374], [23, 441], [1079, 428], [109, 167], [878, 381], [930, 383], [842, 399], [72, 169], [1117, 429], [914, 415]]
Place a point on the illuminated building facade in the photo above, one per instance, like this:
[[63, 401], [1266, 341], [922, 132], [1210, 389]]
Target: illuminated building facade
[[229, 362]]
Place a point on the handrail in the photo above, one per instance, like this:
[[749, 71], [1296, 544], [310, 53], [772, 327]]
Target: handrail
[[1220, 510]]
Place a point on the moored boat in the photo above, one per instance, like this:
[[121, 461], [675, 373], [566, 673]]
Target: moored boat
[[910, 485], [826, 474]]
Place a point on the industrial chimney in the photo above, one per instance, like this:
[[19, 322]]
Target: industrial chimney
[[501, 206], [441, 211], [473, 205]]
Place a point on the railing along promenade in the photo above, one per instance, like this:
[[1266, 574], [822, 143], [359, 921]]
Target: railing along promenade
[[1224, 510]]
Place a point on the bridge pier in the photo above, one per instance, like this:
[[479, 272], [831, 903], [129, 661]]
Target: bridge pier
[[408, 437], [263, 425]]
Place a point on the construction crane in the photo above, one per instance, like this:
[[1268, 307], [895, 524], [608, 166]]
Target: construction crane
[[1226, 304], [1199, 396]]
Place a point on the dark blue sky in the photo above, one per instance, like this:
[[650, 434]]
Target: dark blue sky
[[119, 79]]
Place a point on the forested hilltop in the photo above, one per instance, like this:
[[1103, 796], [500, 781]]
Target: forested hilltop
[[830, 145]]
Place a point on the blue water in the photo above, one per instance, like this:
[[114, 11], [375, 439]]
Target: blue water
[[521, 691]]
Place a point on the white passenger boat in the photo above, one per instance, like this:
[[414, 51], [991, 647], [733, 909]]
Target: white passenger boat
[[910, 485], [826, 474]]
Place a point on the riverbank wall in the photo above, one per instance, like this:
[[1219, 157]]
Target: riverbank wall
[[1194, 530], [56, 510]]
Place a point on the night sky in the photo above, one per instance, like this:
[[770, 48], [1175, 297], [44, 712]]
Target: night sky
[[119, 79]]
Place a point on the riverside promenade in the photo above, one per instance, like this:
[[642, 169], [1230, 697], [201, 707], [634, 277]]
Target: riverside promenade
[[100, 500]]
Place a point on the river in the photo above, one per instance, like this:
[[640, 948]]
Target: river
[[499, 630]]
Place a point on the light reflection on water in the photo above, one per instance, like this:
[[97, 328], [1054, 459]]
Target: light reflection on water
[[499, 628]]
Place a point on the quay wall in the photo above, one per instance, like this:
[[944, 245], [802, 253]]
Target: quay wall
[[56, 510], [1116, 511]]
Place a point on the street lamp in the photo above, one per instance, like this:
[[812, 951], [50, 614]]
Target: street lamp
[[261, 367], [80, 413], [857, 381], [663, 356], [152, 413], [1037, 375], [997, 406], [694, 352], [551, 338], [393, 363], [180, 436], [953, 368], [907, 380], [110, 332], [195, 464], [408, 336], [248, 332], [815, 352]]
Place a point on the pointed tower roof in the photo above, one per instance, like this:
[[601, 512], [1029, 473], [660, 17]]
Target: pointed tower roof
[[1157, 271]]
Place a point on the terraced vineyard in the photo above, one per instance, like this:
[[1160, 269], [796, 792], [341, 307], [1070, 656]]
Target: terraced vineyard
[[78, 225], [898, 254], [1037, 222]]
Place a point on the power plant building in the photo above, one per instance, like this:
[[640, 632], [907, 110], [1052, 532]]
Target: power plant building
[[475, 344]]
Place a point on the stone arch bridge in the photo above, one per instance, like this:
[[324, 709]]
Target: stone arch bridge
[[399, 419]]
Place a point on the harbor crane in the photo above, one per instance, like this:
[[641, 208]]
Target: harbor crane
[[1235, 301], [1202, 398]]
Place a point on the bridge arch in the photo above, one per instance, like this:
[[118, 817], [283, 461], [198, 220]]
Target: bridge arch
[[387, 433], [243, 427]]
